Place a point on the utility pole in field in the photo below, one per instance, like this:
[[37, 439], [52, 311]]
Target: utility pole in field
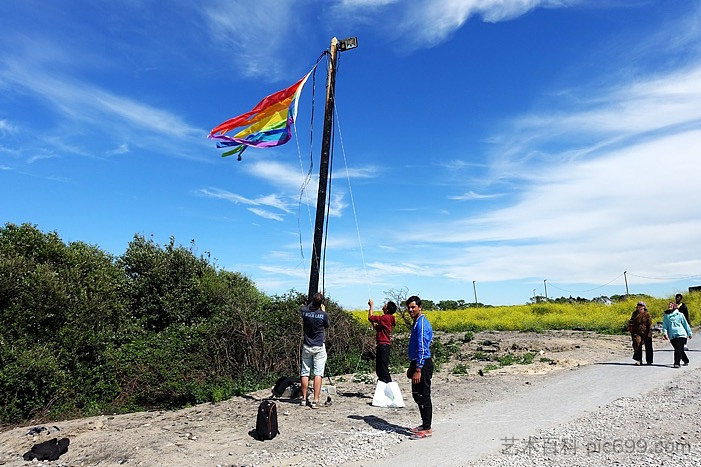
[[625, 278], [474, 287], [545, 286]]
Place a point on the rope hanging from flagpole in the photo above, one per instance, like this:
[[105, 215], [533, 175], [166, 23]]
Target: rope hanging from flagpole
[[352, 200], [306, 178]]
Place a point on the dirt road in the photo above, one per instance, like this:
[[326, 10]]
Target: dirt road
[[511, 426], [555, 378]]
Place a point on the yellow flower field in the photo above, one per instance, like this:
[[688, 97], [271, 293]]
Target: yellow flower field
[[542, 316]]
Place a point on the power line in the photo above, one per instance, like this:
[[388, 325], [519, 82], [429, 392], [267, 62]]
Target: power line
[[588, 290], [665, 278]]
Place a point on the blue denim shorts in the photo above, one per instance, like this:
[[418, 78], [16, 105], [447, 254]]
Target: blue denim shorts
[[313, 358]]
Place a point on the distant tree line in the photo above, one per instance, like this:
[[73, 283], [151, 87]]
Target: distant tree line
[[83, 332], [601, 299]]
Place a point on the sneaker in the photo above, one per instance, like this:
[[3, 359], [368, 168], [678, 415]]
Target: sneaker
[[314, 404], [677, 366], [421, 434], [685, 363], [303, 402], [638, 362]]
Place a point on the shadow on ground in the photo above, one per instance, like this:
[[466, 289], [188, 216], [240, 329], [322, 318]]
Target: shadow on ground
[[383, 425]]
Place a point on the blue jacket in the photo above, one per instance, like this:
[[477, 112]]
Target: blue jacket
[[674, 325], [420, 341]]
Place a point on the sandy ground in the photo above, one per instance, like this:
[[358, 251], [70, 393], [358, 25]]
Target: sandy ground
[[349, 430]]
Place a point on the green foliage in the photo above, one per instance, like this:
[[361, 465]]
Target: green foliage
[[85, 333], [527, 358], [468, 337], [442, 352], [460, 369], [479, 355], [511, 359]]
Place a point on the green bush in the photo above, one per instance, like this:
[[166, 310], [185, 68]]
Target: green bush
[[86, 333]]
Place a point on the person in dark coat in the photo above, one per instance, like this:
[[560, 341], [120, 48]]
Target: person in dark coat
[[681, 307], [640, 328]]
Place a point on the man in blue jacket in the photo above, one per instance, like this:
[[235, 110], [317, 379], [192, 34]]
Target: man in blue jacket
[[421, 367]]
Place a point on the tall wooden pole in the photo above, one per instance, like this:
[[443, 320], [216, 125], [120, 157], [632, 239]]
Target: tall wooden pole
[[323, 170], [625, 278], [474, 287]]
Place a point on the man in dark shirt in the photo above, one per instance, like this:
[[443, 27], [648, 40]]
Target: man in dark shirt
[[314, 323], [682, 308]]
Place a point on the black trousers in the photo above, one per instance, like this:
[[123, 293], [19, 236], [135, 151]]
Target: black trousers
[[638, 342], [382, 363], [679, 355], [422, 392]]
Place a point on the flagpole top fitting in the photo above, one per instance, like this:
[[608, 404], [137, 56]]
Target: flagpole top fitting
[[347, 44]]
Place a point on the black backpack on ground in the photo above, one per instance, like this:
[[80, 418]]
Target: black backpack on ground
[[49, 450], [283, 383], [266, 424]]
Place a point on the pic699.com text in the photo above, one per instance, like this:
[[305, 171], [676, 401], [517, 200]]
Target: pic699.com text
[[565, 446]]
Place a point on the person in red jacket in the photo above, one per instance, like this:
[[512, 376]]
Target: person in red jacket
[[383, 325]]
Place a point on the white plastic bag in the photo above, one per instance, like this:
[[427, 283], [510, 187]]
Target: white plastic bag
[[387, 395]]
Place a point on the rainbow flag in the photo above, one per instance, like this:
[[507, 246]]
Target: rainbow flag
[[267, 124]]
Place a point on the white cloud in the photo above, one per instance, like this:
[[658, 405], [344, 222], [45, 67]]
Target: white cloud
[[38, 157], [400, 269], [5, 167], [278, 174], [471, 195], [271, 200], [633, 208], [266, 214], [254, 32], [6, 127], [609, 184], [104, 111], [121, 149], [358, 172], [428, 23], [299, 273]]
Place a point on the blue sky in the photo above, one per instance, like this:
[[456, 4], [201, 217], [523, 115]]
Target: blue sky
[[502, 142]]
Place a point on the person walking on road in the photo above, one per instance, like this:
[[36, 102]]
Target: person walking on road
[[640, 328], [383, 327], [676, 329], [681, 306], [421, 367]]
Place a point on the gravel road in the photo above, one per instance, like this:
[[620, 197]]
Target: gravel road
[[609, 413], [580, 401]]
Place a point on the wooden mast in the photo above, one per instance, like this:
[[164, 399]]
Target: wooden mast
[[336, 45]]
